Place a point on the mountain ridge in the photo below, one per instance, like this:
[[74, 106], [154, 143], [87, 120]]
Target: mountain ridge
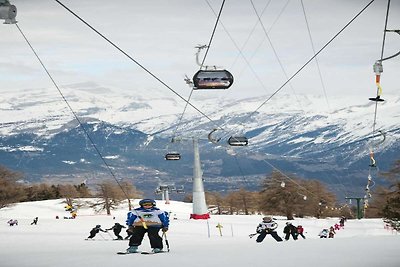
[[132, 131]]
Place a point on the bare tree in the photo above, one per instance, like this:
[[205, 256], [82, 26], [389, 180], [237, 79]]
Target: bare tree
[[10, 190], [110, 197]]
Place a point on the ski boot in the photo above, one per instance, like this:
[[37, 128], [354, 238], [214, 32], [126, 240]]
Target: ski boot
[[157, 250], [132, 249]]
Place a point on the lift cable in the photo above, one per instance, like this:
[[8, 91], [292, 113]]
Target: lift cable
[[201, 66], [74, 114], [275, 53], [316, 58], [308, 61], [136, 62]]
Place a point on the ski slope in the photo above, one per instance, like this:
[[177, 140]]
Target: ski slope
[[60, 242]]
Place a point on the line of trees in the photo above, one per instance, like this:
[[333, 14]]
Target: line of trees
[[109, 195], [278, 195]]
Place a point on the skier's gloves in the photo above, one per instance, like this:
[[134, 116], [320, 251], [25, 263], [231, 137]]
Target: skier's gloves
[[164, 229]]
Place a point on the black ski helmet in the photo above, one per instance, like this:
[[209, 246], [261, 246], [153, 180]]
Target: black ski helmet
[[147, 200], [267, 219], [98, 226]]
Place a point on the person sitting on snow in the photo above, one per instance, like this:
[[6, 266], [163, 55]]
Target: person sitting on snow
[[147, 219], [267, 226], [323, 233], [95, 231]]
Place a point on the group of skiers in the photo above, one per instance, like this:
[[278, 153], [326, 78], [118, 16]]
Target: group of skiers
[[268, 226], [330, 233], [145, 219], [150, 219]]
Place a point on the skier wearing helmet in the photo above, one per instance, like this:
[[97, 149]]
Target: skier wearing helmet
[[147, 219], [267, 226]]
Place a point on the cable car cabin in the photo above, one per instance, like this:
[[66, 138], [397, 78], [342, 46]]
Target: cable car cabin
[[8, 12], [173, 156], [212, 79], [238, 141]]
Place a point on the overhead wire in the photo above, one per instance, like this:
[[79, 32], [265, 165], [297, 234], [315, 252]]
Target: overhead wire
[[275, 52], [316, 58], [187, 102], [135, 61], [373, 165], [201, 66], [307, 62], [319, 74], [73, 113]]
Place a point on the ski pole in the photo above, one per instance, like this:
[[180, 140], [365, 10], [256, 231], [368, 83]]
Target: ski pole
[[252, 235], [166, 240], [102, 236], [110, 235]]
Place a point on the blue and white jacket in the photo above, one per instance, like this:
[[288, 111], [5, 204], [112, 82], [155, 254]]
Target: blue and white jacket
[[153, 217]]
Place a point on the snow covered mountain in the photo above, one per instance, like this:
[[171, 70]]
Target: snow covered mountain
[[311, 136]]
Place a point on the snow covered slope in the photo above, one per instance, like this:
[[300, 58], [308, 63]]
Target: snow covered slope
[[60, 242]]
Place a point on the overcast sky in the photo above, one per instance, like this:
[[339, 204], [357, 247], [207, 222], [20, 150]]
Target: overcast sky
[[161, 35]]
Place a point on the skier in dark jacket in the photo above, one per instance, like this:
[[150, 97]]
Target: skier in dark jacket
[[35, 221], [267, 226], [117, 229], [94, 231], [147, 219], [290, 229]]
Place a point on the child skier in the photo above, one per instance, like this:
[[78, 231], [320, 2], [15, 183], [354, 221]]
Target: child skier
[[117, 229], [267, 226], [147, 219], [290, 229], [300, 231], [331, 232], [94, 231]]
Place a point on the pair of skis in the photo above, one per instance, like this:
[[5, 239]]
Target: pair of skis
[[141, 252]]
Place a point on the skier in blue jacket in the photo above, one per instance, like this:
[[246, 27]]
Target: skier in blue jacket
[[147, 219]]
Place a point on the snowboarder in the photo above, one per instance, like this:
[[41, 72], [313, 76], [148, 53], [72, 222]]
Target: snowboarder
[[267, 226], [323, 233], [147, 219], [300, 231], [35, 221], [94, 231], [290, 229], [117, 229]]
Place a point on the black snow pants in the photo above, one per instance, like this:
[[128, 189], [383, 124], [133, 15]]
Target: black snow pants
[[152, 232], [263, 234]]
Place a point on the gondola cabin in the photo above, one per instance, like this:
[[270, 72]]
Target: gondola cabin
[[212, 79], [238, 141], [173, 156], [8, 12]]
